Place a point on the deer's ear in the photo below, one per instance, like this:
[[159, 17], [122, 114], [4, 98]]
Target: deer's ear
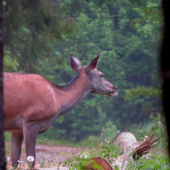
[[93, 63], [75, 63]]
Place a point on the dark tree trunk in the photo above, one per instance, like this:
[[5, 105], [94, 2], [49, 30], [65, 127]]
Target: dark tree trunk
[[2, 150], [165, 65]]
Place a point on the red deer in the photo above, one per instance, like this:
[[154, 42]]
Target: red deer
[[32, 103]]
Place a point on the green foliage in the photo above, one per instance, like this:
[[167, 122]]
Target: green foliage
[[129, 40], [110, 130], [31, 28], [7, 137], [10, 64], [136, 92], [89, 142], [107, 150], [159, 161]]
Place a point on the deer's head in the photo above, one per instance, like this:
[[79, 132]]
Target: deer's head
[[95, 78]]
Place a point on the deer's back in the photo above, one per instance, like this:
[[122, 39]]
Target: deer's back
[[29, 97]]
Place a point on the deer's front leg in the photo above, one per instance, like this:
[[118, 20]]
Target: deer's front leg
[[16, 142], [30, 133]]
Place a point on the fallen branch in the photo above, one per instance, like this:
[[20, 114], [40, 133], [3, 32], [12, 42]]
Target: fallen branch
[[145, 147]]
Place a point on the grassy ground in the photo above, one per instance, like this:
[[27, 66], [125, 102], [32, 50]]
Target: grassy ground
[[98, 146], [158, 158]]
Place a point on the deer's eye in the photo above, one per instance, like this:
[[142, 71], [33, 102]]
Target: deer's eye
[[101, 75]]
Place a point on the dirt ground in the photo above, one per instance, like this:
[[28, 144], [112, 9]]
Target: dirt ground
[[50, 155]]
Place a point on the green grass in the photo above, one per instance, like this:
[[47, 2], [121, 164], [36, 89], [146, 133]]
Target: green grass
[[158, 158], [89, 142], [158, 161], [44, 141]]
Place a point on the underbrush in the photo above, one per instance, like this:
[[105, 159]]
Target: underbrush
[[157, 159]]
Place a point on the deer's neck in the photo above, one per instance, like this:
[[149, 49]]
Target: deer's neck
[[73, 93]]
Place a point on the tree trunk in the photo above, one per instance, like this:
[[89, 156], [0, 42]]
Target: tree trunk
[[2, 150], [165, 66]]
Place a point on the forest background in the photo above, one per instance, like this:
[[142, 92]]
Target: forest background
[[40, 35]]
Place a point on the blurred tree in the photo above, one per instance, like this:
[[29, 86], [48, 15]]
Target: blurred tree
[[2, 147], [31, 28], [165, 67]]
